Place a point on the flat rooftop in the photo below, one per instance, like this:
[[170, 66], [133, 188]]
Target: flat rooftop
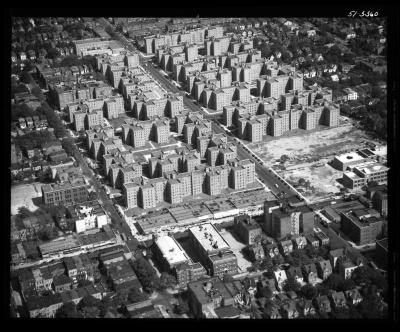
[[58, 245], [372, 168], [209, 237], [352, 175], [349, 157], [171, 250]]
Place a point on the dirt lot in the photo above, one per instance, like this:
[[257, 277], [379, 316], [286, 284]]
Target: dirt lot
[[309, 155], [22, 196]]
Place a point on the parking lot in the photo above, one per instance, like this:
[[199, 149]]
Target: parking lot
[[236, 247]]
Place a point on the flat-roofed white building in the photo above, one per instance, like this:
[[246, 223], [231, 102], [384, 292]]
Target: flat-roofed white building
[[173, 258], [209, 238], [341, 162], [171, 250], [88, 216], [352, 180], [213, 251]]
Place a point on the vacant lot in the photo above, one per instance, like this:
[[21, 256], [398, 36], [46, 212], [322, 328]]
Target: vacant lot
[[236, 247], [22, 196], [309, 154]]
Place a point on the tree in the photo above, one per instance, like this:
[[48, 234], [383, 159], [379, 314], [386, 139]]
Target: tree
[[310, 251], [88, 301], [347, 284], [309, 291], [291, 284], [181, 307], [26, 77], [376, 92], [370, 307], [334, 281], [68, 310], [146, 274], [24, 212], [36, 91], [69, 145], [266, 263], [323, 251], [135, 295], [265, 292], [167, 280], [340, 313], [278, 260], [71, 60], [369, 276], [84, 282]]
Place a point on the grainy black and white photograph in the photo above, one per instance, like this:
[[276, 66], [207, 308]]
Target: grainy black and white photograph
[[199, 167]]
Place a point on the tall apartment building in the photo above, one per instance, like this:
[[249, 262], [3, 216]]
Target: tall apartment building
[[173, 187], [137, 133], [287, 220]]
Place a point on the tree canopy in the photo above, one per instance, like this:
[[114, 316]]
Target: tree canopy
[[291, 284], [68, 310], [135, 295]]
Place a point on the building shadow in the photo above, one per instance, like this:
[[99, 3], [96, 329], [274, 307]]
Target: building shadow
[[37, 201]]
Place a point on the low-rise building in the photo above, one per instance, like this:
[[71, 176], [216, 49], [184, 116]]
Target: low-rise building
[[362, 226], [338, 299], [322, 303], [324, 268], [88, 216], [174, 259], [213, 250], [62, 283], [208, 294]]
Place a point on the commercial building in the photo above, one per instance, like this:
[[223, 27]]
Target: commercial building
[[362, 226], [213, 250], [363, 173], [88, 216], [348, 160], [174, 259]]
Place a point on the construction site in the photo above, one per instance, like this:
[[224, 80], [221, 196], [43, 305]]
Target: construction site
[[303, 159]]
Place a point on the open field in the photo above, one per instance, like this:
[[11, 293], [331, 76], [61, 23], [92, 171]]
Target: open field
[[309, 154], [22, 196]]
